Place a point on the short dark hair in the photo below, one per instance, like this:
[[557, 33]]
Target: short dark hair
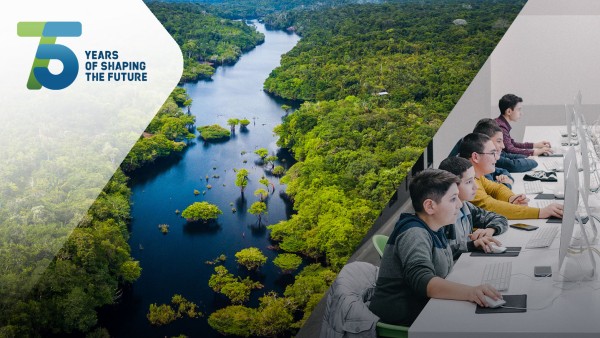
[[430, 184], [487, 127], [508, 101], [472, 143], [456, 165]]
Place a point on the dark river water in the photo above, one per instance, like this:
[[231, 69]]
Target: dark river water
[[175, 263]]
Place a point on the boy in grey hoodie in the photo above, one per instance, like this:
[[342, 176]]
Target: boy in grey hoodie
[[417, 257]]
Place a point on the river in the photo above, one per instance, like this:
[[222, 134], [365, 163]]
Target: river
[[175, 263]]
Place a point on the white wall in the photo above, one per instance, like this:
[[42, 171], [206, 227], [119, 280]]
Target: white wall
[[550, 52]]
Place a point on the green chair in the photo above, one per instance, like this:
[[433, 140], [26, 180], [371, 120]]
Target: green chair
[[379, 243], [392, 331], [383, 329]]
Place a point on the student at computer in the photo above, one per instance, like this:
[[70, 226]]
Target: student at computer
[[510, 111], [514, 163], [482, 153], [499, 175], [417, 257], [460, 235]]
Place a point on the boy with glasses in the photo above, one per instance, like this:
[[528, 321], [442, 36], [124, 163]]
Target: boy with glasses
[[482, 153], [514, 163]]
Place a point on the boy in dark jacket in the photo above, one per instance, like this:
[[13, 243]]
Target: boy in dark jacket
[[461, 236]]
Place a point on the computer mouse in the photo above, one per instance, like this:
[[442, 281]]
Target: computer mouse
[[559, 194], [494, 303], [496, 249]]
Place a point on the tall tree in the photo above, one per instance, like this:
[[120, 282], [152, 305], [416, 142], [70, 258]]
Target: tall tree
[[259, 209], [241, 179]]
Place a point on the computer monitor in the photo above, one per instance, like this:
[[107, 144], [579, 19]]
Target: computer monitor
[[585, 163], [585, 183], [570, 121], [571, 183], [578, 112], [580, 269], [578, 101]]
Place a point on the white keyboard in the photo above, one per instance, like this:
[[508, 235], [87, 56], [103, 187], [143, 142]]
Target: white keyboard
[[497, 275], [553, 165], [533, 187], [543, 237]]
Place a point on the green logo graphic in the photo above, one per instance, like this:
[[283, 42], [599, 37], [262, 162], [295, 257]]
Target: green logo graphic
[[48, 49]]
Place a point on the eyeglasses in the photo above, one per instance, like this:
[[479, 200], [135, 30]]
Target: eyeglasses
[[493, 153]]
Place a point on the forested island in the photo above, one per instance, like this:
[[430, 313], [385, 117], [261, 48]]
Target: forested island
[[377, 81]]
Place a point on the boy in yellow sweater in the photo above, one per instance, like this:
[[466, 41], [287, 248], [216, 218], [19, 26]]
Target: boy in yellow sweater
[[481, 151]]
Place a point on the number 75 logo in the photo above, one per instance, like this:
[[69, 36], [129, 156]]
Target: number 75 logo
[[47, 50]]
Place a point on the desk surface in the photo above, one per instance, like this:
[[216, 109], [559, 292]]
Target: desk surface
[[554, 309]]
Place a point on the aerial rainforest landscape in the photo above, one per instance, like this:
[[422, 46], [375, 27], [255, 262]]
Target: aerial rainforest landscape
[[292, 125]]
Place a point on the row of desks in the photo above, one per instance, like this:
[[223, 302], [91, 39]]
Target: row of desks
[[554, 309]]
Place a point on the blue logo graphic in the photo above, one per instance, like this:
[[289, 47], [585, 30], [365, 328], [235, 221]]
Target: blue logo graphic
[[48, 50]]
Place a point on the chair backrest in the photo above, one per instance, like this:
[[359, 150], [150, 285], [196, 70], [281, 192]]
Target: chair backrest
[[379, 242], [391, 331]]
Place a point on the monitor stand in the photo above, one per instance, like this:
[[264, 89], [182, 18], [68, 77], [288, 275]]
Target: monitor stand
[[574, 271], [579, 264], [590, 229]]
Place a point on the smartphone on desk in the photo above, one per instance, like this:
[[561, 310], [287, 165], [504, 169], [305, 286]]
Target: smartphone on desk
[[523, 226]]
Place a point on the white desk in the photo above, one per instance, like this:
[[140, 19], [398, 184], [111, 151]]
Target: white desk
[[574, 313]]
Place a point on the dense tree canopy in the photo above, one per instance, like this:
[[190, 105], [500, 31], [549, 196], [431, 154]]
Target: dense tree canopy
[[287, 262], [95, 261], [355, 144], [205, 39], [166, 133], [84, 274]]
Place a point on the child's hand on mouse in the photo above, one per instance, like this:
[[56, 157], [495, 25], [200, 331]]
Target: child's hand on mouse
[[485, 242]]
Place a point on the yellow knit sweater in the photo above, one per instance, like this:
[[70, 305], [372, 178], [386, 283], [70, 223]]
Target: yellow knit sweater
[[494, 197]]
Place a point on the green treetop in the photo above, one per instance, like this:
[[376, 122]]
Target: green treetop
[[264, 181], [259, 209], [271, 160], [287, 262], [203, 211], [244, 123], [278, 170], [252, 258], [232, 123], [261, 193], [241, 179], [262, 152]]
